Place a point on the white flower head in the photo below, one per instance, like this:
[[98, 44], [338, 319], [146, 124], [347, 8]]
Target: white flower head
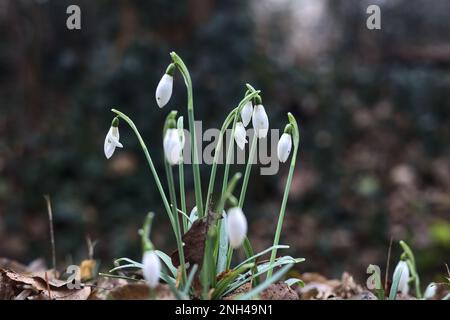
[[284, 147], [240, 135], [152, 268], [173, 146], [430, 291], [165, 86], [402, 269], [260, 121], [246, 113], [112, 139], [236, 226]]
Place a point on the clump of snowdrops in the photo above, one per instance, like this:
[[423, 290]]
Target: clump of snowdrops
[[225, 225], [405, 274]]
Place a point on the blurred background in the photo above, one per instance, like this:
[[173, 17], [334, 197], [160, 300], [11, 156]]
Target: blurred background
[[373, 107]]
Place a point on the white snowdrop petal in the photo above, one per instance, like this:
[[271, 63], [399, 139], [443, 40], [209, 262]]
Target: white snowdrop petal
[[174, 155], [109, 150], [111, 142], [164, 90], [152, 268], [284, 147], [236, 226], [246, 113], [260, 121], [402, 267], [240, 135], [173, 146], [430, 291]]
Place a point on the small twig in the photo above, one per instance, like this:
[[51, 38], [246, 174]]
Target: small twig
[[52, 234], [386, 276], [48, 286], [448, 270]]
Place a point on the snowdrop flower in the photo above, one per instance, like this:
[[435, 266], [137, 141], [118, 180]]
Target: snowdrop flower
[[430, 291], [152, 268], [284, 147], [112, 139], [239, 135], [193, 216], [402, 267], [173, 146], [260, 121], [246, 113], [165, 85], [236, 226]]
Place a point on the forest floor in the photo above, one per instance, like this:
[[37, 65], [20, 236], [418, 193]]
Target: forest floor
[[36, 282]]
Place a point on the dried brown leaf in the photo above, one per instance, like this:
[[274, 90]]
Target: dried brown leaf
[[12, 284], [140, 291], [194, 242]]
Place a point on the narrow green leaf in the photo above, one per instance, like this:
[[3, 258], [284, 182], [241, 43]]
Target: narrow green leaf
[[223, 246], [290, 282], [280, 246], [394, 287], [223, 283], [190, 279], [167, 261]]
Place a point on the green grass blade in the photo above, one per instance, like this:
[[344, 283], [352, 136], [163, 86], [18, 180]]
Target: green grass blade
[[394, 287], [167, 261], [190, 279]]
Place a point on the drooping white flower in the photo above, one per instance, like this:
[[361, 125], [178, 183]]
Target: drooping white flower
[[173, 146], [164, 90], [284, 147], [240, 135], [236, 226], [430, 291], [112, 141], [152, 268], [402, 267], [193, 216], [246, 113], [260, 121]]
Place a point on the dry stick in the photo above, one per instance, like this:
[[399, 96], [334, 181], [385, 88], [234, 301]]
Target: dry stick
[[52, 234], [387, 265]]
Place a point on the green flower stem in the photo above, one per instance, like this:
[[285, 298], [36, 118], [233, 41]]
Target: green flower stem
[[173, 199], [226, 171], [247, 246], [231, 117], [229, 191], [217, 152], [181, 180], [248, 170], [183, 195], [411, 261], [231, 143], [150, 163], [276, 240], [190, 105], [145, 233]]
